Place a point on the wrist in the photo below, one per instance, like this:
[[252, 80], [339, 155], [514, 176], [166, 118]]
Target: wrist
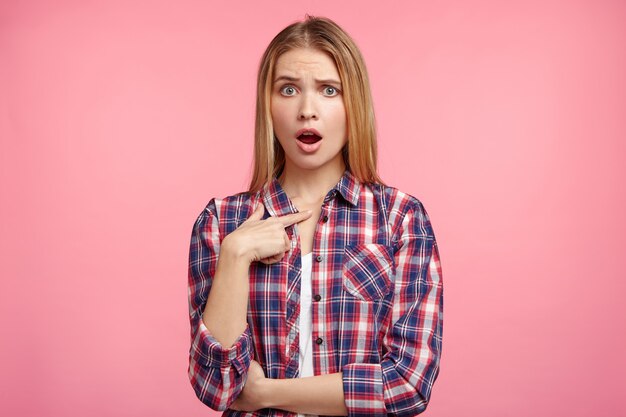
[[235, 250], [271, 393]]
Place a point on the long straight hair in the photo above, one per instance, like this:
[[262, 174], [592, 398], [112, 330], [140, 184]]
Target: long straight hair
[[359, 153]]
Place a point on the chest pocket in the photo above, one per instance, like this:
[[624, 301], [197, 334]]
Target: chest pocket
[[368, 270]]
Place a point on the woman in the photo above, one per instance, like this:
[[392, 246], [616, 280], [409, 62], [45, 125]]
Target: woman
[[318, 291]]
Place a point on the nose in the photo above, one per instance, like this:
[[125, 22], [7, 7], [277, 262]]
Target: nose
[[307, 108]]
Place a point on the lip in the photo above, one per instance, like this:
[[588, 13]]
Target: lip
[[309, 148], [308, 129]]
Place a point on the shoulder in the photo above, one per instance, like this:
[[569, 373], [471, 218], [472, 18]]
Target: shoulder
[[227, 206], [230, 211], [397, 201], [403, 207]]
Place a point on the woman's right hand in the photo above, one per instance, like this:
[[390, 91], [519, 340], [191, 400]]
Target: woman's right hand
[[263, 240]]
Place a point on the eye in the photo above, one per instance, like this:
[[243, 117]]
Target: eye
[[288, 90], [330, 90]]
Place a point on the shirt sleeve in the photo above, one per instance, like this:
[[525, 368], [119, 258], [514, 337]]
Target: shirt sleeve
[[216, 373], [401, 384]]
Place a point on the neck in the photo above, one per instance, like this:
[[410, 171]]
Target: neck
[[310, 185]]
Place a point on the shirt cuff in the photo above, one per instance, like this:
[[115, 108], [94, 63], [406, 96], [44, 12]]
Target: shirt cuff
[[363, 389], [213, 355]]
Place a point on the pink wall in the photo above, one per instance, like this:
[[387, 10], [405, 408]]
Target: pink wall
[[119, 122]]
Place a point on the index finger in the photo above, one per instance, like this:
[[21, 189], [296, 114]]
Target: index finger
[[289, 219]]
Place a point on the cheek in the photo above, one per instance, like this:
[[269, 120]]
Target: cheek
[[279, 118], [339, 118]]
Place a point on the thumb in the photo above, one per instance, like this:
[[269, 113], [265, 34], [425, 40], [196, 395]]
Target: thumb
[[257, 214]]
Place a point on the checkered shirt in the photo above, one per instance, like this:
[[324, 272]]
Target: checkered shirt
[[378, 300]]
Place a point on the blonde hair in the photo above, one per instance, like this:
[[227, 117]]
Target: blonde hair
[[359, 153]]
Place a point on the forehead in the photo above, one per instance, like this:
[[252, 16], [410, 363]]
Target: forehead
[[306, 59]]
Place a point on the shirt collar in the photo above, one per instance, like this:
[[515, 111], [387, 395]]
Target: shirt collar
[[278, 204]]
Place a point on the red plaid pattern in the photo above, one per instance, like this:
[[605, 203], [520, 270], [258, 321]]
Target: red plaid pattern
[[378, 314]]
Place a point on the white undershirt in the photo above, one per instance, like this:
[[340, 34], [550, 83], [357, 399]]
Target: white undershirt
[[306, 350]]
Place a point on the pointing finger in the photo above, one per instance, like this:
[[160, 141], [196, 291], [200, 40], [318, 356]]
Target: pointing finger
[[289, 219]]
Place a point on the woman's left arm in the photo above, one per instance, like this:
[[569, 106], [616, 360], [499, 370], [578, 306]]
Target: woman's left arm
[[321, 395], [401, 384]]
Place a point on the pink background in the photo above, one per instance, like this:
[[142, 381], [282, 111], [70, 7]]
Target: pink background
[[119, 121]]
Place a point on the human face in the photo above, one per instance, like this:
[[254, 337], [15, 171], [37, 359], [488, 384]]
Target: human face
[[307, 94]]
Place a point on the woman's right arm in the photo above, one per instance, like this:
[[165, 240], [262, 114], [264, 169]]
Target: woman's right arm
[[217, 366], [221, 342]]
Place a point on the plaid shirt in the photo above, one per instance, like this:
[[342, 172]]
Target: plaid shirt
[[377, 310]]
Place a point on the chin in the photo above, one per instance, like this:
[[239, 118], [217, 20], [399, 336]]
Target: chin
[[308, 165], [307, 162]]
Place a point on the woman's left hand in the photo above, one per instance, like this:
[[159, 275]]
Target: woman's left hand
[[251, 397]]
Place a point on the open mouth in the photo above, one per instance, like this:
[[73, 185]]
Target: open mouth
[[309, 138]]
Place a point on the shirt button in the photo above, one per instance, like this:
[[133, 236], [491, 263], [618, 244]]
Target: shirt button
[[317, 297], [319, 341], [325, 219], [319, 258]]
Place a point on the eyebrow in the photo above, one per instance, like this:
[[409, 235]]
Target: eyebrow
[[288, 78]]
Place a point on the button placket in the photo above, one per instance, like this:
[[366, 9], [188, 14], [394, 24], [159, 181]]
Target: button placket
[[319, 328]]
